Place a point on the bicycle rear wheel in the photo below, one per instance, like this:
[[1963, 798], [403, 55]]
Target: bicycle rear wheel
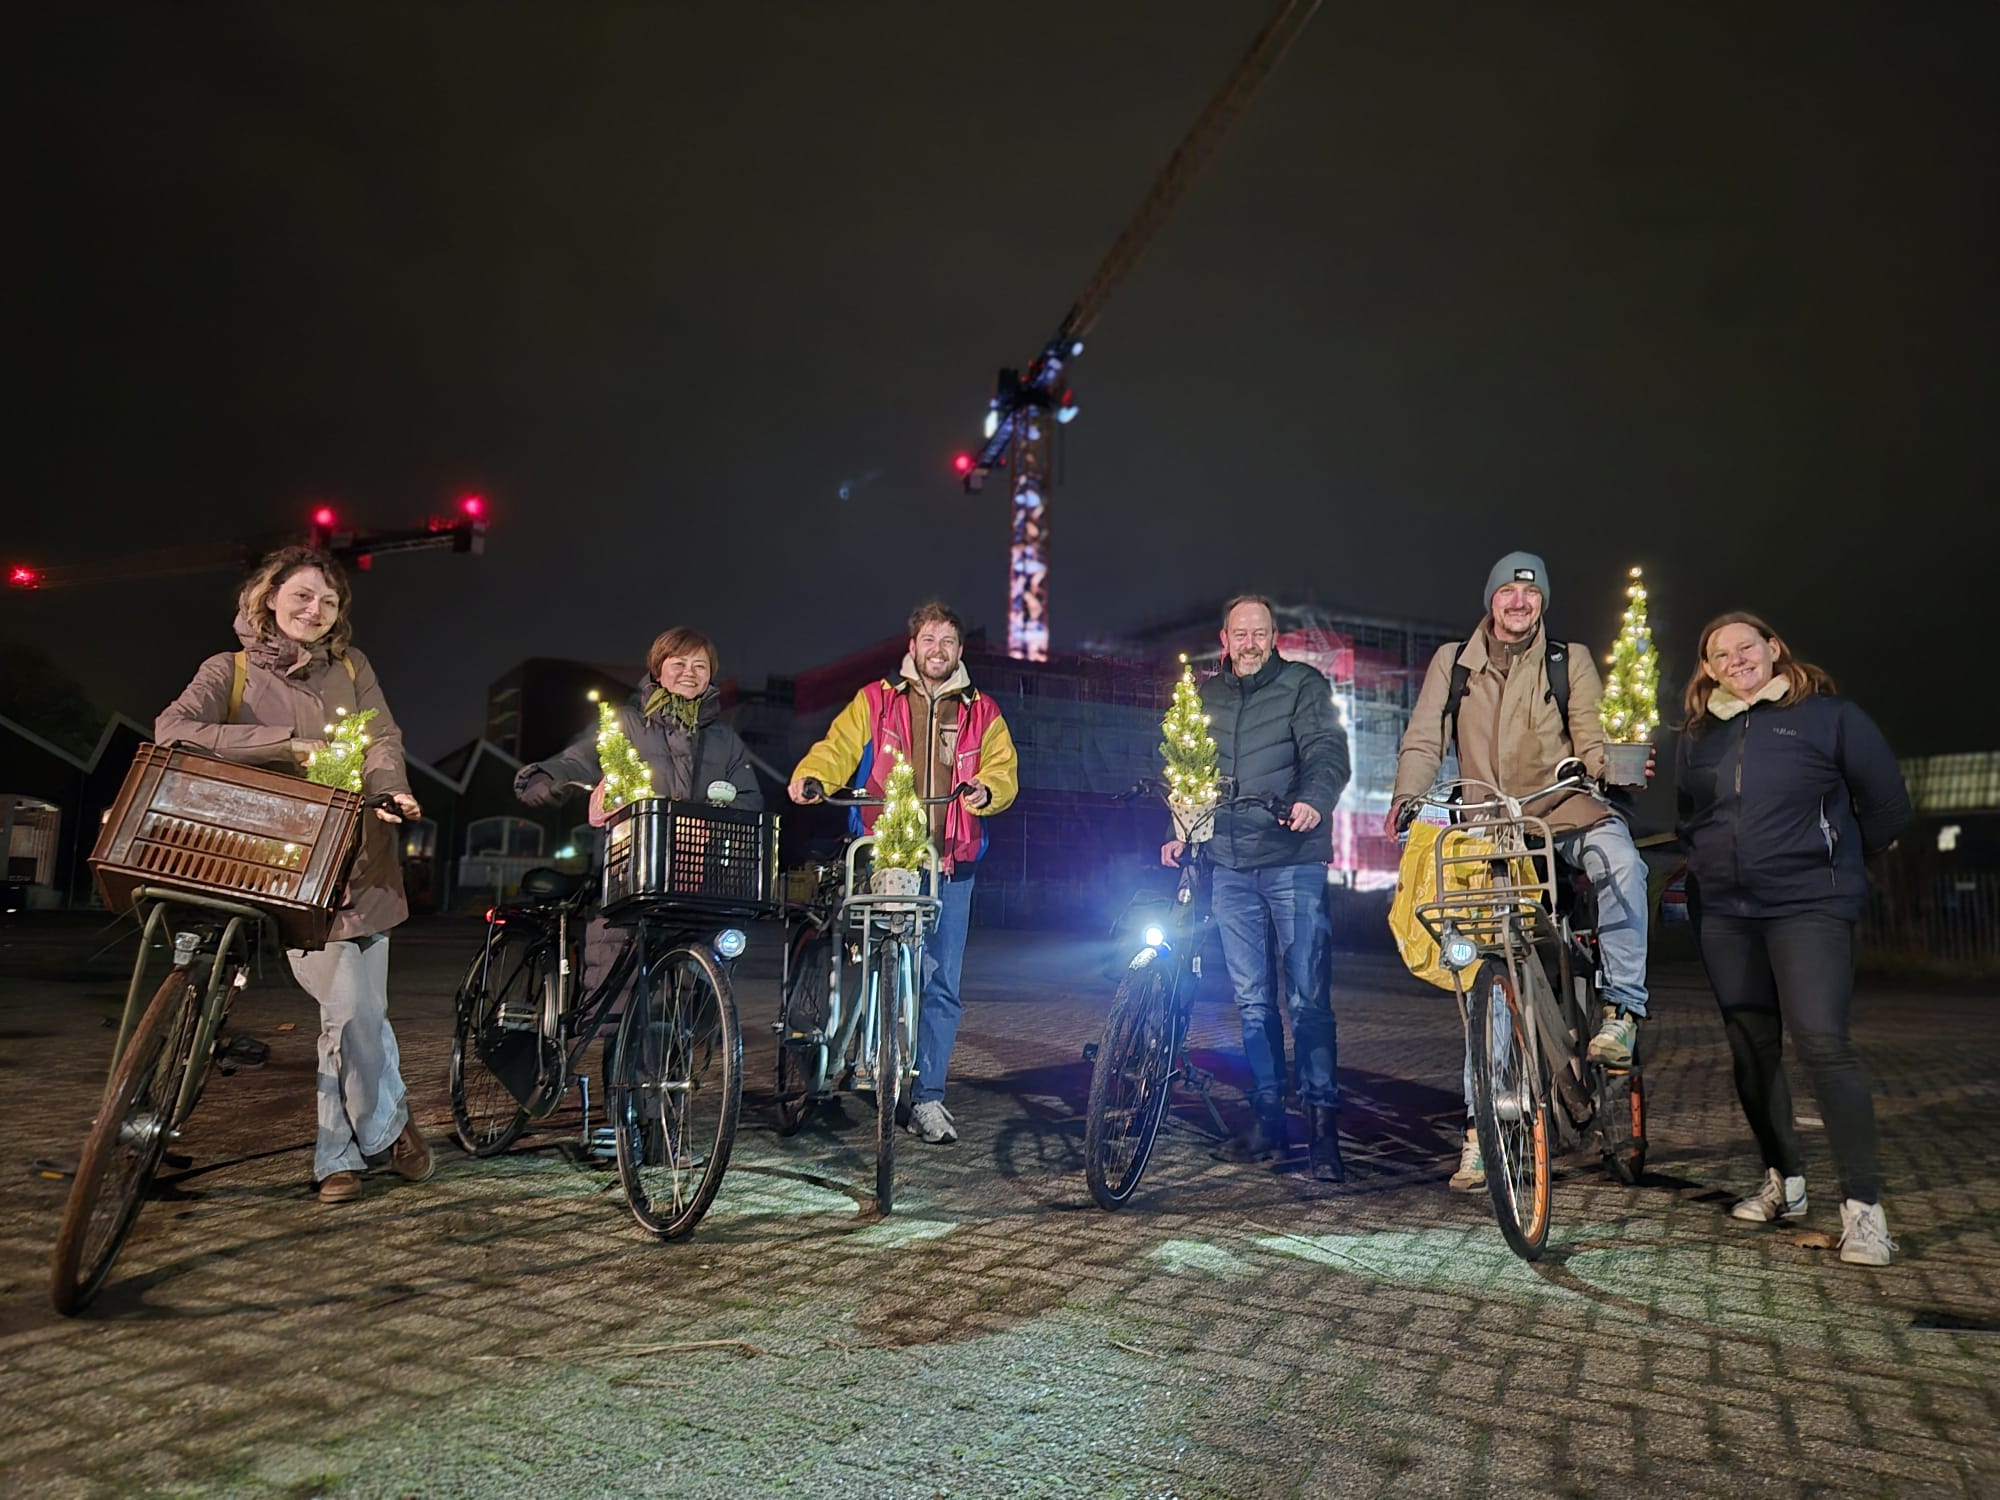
[[126, 1141], [894, 984], [677, 1087], [1129, 1087], [802, 1030], [497, 1052], [1510, 1111]]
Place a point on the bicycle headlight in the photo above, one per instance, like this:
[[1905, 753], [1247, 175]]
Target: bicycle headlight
[[1155, 938], [730, 943], [1457, 951]]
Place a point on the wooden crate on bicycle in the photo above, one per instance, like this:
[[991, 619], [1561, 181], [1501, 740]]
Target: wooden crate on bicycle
[[694, 854], [188, 821]]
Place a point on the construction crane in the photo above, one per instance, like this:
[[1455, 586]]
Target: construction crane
[[462, 531], [1026, 402]]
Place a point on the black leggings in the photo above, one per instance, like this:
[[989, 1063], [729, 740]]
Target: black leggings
[[1773, 974]]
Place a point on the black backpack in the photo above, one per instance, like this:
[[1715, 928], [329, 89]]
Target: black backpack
[[1556, 655]]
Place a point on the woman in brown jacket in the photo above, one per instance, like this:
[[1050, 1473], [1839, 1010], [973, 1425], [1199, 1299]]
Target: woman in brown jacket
[[268, 705]]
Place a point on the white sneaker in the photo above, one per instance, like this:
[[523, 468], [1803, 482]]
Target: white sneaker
[[1864, 1234], [930, 1121], [1781, 1197], [1471, 1174]]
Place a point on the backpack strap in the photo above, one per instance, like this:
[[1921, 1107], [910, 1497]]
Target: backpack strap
[[239, 679], [1557, 662], [1454, 694]]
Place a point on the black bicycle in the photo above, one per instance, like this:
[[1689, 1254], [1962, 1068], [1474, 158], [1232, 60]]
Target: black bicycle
[[672, 1072], [1144, 1049]]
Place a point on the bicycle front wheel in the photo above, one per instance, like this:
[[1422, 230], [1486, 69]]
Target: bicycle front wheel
[[496, 1046], [894, 984], [1510, 1111], [677, 1087], [126, 1141], [1129, 1087]]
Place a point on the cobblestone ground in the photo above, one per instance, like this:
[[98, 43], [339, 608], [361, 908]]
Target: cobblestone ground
[[506, 1330]]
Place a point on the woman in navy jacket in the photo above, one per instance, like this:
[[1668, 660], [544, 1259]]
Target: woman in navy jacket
[[1785, 789]]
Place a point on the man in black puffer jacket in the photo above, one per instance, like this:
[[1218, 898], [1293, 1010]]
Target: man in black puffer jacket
[[1276, 734]]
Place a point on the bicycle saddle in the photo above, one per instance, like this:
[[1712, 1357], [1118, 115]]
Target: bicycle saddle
[[545, 884]]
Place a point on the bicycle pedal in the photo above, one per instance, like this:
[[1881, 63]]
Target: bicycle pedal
[[1090, 1052]]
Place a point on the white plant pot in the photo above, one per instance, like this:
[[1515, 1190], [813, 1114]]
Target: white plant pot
[[896, 882], [1194, 822]]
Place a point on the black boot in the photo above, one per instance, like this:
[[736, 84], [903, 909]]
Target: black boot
[[1325, 1147], [1269, 1135]]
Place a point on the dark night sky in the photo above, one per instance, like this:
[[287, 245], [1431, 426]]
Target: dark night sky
[[1706, 288]]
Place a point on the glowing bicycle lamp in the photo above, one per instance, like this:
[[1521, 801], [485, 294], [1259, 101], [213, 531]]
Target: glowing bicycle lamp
[[1457, 951], [1155, 938], [730, 943]]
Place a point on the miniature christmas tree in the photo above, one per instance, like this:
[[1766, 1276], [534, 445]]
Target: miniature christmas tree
[[627, 778], [1193, 776], [902, 832], [339, 762], [1630, 706]]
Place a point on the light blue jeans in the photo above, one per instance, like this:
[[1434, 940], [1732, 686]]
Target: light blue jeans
[[362, 1105]]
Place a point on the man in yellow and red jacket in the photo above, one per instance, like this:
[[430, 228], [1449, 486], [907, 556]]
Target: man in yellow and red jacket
[[952, 735]]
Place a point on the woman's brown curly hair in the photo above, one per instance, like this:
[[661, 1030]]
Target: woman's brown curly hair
[[255, 599]]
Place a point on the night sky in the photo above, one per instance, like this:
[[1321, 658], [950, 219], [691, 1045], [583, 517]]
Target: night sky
[[1710, 289]]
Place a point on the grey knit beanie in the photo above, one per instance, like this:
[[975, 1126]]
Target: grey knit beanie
[[1518, 567]]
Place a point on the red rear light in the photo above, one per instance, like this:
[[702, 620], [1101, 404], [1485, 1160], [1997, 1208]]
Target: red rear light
[[493, 917]]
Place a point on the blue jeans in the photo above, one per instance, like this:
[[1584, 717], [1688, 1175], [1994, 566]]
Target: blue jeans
[[944, 959], [1606, 854], [1290, 902], [1617, 874]]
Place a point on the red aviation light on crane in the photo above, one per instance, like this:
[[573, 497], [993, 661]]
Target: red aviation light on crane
[[324, 518], [474, 507], [962, 464], [20, 576]]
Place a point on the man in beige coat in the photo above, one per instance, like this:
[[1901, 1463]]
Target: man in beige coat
[[1511, 733]]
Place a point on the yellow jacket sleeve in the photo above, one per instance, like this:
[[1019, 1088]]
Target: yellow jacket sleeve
[[833, 760], [999, 768]]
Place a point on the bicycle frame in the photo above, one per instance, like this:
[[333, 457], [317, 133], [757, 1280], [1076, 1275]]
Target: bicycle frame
[[867, 917], [231, 950], [1510, 918]]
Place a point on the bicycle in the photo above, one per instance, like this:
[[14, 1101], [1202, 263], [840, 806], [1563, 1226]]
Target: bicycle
[[1518, 936], [832, 1037], [1144, 1048], [146, 859], [672, 1073]]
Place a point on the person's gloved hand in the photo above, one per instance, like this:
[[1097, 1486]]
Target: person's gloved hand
[[537, 788]]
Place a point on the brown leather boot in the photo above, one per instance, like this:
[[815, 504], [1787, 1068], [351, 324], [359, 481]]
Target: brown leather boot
[[340, 1187], [410, 1156]]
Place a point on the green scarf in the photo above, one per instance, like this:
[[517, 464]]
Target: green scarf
[[686, 710]]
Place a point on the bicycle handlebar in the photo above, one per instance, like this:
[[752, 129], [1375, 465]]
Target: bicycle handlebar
[[845, 796], [1271, 802]]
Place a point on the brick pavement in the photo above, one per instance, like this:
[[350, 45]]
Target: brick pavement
[[503, 1330]]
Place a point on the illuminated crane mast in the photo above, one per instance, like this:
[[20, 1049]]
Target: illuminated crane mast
[[1026, 402]]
